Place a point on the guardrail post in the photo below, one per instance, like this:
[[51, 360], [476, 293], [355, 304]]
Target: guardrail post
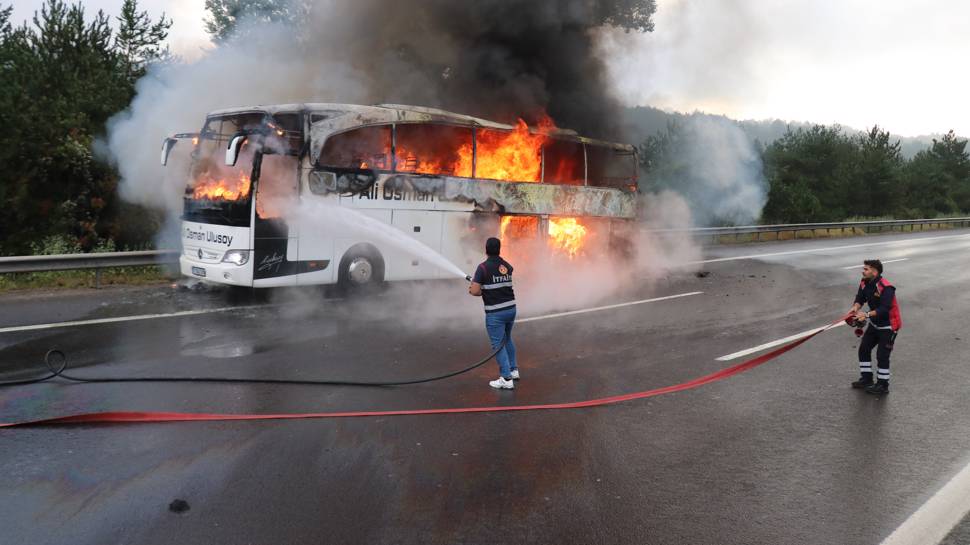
[[97, 278]]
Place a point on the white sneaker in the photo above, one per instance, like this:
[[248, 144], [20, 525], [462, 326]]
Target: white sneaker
[[502, 384], [515, 374]]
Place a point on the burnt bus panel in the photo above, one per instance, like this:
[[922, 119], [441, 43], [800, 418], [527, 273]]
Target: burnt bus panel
[[403, 191], [515, 197]]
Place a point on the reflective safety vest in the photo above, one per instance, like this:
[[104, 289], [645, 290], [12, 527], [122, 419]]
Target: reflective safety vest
[[895, 318], [495, 276]]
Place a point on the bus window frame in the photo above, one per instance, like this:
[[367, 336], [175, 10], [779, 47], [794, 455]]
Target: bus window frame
[[317, 165], [268, 124], [472, 128], [633, 186], [578, 142]]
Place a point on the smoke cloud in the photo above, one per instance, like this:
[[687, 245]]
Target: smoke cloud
[[498, 59], [714, 165]]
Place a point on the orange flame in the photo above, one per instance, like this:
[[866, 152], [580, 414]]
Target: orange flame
[[515, 155], [222, 189], [518, 227], [567, 234], [407, 161]]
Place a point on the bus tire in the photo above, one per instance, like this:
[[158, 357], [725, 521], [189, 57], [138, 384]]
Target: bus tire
[[361, 269]]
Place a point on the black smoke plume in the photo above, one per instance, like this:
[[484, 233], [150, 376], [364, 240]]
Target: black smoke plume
[[498, 59]]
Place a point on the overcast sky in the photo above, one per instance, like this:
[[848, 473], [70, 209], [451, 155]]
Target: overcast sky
[[899, 63], [187, 36]]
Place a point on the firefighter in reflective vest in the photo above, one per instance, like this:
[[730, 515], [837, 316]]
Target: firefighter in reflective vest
[[884, 322], [493, 283]]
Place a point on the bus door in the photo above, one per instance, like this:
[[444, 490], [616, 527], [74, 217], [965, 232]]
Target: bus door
[[275, 249]]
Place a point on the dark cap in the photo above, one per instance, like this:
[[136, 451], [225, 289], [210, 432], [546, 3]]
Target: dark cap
[[493, 246]]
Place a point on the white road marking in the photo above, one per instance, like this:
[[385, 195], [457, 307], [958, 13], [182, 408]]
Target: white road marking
[[773, 344], [607, 307], [792, 252], [227, 309], [932, 522], [859, 266], [123, 319]]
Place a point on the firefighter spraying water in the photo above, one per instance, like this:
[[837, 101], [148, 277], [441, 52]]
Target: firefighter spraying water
[[493, 283]]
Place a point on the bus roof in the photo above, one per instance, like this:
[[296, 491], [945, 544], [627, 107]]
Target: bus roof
[[371, 114], [336, 117]]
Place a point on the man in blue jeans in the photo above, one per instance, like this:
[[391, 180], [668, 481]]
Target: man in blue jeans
[[493, 283]]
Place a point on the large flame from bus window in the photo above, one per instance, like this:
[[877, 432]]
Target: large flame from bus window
[[438, 149], [518, 227], [567, 235], [508, 156], [223, 186]]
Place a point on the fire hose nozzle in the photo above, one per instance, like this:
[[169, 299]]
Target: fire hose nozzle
[[468, 277], [857, 324]]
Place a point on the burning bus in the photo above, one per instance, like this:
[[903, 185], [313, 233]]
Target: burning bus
[[262, 181]]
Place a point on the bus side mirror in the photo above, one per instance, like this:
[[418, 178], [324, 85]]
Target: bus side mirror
[[323, 182], [232, 153], [167, 146]]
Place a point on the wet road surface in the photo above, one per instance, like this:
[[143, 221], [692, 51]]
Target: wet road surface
[[785, 453]]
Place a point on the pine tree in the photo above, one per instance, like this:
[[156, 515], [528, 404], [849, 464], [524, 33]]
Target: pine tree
[[225, 15], [62, 78], [139, 40]]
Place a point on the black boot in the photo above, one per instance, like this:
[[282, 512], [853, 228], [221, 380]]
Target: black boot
[[864, 381], [879, 388]]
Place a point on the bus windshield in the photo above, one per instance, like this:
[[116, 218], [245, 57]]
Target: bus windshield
[[217, 193]]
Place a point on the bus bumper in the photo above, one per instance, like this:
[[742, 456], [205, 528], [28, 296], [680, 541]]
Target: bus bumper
[[217, 273]]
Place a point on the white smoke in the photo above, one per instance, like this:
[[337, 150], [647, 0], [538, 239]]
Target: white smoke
[[175, 98], [722, 177]]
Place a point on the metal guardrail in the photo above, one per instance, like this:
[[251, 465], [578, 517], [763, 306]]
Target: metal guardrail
[[877, 226], [98, 261]]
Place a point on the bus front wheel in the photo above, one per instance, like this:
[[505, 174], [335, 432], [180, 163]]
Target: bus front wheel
[[361, 268]]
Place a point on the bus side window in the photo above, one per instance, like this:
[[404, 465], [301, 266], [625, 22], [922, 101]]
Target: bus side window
[[363, 148], [609, 167], [563, 163], [424, 148]]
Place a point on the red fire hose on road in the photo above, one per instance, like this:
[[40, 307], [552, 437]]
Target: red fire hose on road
[[139, 416]]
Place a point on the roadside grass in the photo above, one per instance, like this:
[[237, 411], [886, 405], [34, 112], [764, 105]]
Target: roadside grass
[[129, 276], [83, 278]]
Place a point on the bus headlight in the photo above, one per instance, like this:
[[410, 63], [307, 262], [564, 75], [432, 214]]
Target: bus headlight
[[236, 257]]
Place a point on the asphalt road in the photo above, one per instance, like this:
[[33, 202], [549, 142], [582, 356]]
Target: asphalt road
[[784, 453]]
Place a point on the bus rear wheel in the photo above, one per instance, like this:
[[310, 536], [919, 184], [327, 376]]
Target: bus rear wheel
[[361, 269]]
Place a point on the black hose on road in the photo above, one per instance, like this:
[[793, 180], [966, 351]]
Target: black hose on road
[[56, 362]]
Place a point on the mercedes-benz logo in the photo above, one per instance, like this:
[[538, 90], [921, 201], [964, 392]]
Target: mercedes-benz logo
[[200, 253]]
